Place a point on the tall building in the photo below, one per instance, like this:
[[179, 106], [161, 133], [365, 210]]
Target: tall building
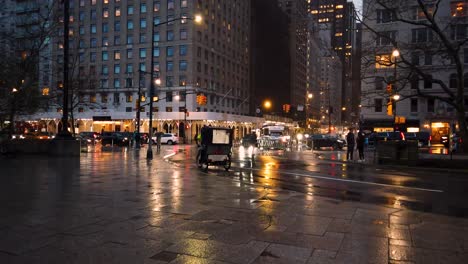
[[110, 54], [297, 14], [337, 18], [409, 90], [271, 60]]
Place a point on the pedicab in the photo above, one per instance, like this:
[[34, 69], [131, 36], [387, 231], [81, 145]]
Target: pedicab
[[215, 148]]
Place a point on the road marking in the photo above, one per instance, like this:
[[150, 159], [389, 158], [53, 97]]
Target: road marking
[[354, 181], [169, 155]]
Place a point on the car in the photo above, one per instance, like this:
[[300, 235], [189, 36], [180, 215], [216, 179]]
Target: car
[[318, 141], [383, 136], [37, 135], [90, 137], [115, 138], [249, 140], [167, 138]]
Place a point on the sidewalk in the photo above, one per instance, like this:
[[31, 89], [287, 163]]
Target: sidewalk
[[117, 208]]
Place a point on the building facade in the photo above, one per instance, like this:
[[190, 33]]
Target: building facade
[[408, 90], [110, 57]]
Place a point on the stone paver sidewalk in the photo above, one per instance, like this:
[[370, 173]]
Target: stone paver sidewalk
[[115, 208]]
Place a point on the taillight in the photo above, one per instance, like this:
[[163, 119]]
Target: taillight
[[430, 138], [402, 136]]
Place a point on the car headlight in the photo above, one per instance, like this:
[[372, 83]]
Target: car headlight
[[125, 138]]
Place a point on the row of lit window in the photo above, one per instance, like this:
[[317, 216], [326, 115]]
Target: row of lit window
[[156, 5]]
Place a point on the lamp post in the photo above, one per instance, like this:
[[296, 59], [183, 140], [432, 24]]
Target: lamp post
[[395, 98], [198, 19], [185, 111], [64, 133], [309, 98], [395, 55], [138, 119]]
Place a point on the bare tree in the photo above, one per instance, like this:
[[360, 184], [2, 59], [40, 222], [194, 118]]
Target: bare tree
[[438, 32], [21, 49]]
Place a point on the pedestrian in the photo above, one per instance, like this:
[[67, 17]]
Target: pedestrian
[[360, 145], [196, 138], [158, 141], [350, 141]]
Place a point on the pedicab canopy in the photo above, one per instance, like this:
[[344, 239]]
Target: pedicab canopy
[[216, 135]]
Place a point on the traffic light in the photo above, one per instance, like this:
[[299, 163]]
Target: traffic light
[[201, 99], [390, 107], [389, 88]]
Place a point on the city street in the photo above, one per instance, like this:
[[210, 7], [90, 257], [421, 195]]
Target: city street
[[114, 206]]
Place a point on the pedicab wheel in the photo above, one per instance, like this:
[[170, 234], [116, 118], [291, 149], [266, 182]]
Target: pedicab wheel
[[227, 164], [204, 167]]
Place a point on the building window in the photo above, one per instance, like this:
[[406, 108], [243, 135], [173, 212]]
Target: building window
[[385, 38], [117, 26], [129, 82], [170, 4], [117, 68], [183, 3], [142, 37], [130, 10], [378, 105], [104, 83], [182, 50], [182, 65], [458, 8], [128, 98], [183, 34], [105, 41], [379, 83], [117, 11], [104, 98], [459, 32], [129, 39], [105, 13], [93, 42], [129, 24], [81, 30], [117, 55], [81, 16], [427, 58], [156, 6], [93, 15], [116, 83], [169, 66], [170, 35], [430, 105], [414, 79], [128, 109], [168, 108], [453, 83], [156, 52], [383, 61], [414, 105], [169, 51], [156, 20], [92, 56], [93, 28], [421, 35], [156, 37], [156, 67], [142, 67], [116, 98], [428, 81], [169, 81], [169, 96], [143, 8], [105, 56], [92, 98], [385, 15], [143, 23], [129, 68], [142, 53], [415, 58]]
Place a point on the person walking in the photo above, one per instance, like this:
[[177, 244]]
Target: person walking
[[350, 142], [361, 138]]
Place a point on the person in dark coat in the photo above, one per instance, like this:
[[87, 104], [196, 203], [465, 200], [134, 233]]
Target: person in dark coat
[[350, 142], [361, 138]]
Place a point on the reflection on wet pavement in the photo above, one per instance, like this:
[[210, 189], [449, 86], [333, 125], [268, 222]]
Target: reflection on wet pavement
[[117, 207]]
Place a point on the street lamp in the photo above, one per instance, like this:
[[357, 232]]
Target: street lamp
[[198, 19], [395, 97], [267, 104], [395, 55]]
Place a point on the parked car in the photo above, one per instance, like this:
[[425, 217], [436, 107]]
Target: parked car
[[115, 138], [167, 138], [249, 140], [382, 136], [318, 141], [38, 135], [90, 137]]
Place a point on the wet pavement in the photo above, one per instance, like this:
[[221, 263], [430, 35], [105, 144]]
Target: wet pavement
[[116, 207]]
